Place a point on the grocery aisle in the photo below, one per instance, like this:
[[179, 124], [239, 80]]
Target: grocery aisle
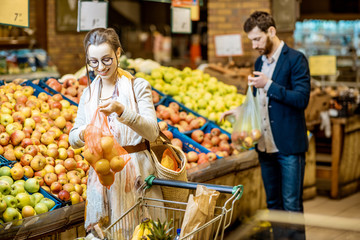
[[348, 207], [335, 212]]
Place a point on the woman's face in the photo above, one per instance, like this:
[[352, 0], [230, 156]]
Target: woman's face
[[103, 60]]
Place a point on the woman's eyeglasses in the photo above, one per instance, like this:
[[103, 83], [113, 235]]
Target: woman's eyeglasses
[[105, 61]]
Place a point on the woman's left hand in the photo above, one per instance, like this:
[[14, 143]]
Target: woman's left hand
[[111, 106]]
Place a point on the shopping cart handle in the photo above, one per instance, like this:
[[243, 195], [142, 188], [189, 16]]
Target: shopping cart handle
[[152, 180]]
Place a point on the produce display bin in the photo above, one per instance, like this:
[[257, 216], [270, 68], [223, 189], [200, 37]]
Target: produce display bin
[[46, 87], [167, 100], [46, 224], [4, 160], [212, 125], [37, 89], [162, 96], [9, 230], [58, 203], [188, 143]]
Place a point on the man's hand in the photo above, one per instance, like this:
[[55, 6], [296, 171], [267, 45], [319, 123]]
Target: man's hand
[[228, 113], [259, 81], [111, 106]]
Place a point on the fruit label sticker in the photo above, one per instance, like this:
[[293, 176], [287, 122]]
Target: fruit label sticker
[[15, 13], [227, 45], [180, 20], [92, 15]]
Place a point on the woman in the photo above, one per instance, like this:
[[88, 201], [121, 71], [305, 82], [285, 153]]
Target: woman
[[132, 119]]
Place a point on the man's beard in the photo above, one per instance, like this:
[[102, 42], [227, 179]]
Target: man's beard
[[267, 49]]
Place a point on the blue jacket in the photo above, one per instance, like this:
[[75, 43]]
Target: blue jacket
[[288, 97]]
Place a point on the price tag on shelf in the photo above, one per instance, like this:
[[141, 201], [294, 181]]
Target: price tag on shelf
[[92, 15], [322, 65], [227, 45], [180, 20], [15, 13]]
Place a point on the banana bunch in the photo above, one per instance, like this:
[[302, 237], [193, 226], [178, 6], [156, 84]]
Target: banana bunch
[[142, 230]]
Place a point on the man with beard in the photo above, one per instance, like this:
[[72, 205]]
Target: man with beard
[[282, 79], [281, 82]]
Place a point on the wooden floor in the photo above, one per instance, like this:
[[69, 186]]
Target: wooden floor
[[333, 214]]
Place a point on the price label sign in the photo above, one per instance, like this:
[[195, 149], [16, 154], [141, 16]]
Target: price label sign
[[92, 15], [180, 20], [14, 13], [228, 45], [322, 65]]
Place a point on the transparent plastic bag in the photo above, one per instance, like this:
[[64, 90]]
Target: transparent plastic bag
[[247, 128], [102, 150]]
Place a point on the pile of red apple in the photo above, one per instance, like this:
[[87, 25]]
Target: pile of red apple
[[155, 96], [34, 132], [19, 198], [245, 139], [70, 88], [193, 158], [182, 120], [215, 141]]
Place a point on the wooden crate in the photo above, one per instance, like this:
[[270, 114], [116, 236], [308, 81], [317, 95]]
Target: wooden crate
[[240, 79], [310, 171]]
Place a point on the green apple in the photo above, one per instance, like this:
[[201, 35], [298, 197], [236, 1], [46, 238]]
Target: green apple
[[202, 103], [11, 214], [38, 196], [5, 188], [3, 205], [212, 116], [11, 201], [21, 182], [16, 189], [41, 208], [32, 185], [156, 73], [5, 171], [7, 179], [23, 200], [32, 200], [48, 202]]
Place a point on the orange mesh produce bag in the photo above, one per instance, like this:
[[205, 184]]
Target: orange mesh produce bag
[[102, 150]]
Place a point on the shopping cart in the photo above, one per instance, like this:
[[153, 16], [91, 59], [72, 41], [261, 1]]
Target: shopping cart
[[124, 226]]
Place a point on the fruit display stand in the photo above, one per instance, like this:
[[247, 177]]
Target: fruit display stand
[[11, 229], [309, 188], [48, 224], [43, 224], [342, 176], [237, 169]]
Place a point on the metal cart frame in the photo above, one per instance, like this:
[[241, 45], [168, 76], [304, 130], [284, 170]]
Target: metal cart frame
[[124, 226]]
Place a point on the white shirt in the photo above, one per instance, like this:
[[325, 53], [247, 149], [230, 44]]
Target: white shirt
[[266, 142]]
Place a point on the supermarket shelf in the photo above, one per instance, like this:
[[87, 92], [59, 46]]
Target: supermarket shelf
[[33, 75], [14, 41]]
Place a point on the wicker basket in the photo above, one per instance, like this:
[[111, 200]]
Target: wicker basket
[[170, 193]]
